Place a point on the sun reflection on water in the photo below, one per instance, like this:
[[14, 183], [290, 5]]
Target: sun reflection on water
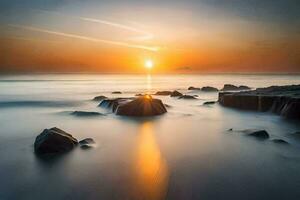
[[152, 171]]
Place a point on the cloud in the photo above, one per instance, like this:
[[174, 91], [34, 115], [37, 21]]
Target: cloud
[[91, 39]]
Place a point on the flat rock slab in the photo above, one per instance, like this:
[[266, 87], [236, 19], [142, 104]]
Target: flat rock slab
[[282, 100]]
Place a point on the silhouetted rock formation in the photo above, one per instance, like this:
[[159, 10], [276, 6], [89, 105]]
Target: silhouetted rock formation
[[99, 98], [54, 141], [140, 107], [229, 87], [193, 88], [175, 93], [187, 97], [209, 89], [163, 93], [282, 100], [85, 114], [209, 102], [116, 92]]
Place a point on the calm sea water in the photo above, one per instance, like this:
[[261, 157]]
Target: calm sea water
[[185, 154]]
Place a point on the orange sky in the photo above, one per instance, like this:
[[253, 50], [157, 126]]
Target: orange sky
[[179, 40]]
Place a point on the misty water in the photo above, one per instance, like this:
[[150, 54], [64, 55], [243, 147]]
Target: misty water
[[187, 153]]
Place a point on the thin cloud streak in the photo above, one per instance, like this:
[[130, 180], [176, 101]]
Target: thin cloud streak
[[91, 39], [145, 35]]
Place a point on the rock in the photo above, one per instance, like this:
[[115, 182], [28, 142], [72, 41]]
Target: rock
[[231, 129], [54, 141], [261, 134], [209, 102], [281, 100], [86, 146], [113, 103], [280, 141], [193, 88], [87, 141], [230, 87], [209, 89], [175, 93], [141, 106], [163, 93], [116, 92], [86, 114], [187, 97], [99, 98]]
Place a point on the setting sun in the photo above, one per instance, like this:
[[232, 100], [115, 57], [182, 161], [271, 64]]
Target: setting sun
[[149, 64]]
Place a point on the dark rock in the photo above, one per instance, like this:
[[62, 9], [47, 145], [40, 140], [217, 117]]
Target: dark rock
[[54, 141], [87, 141], [280, 141], [99, 98], [116, 92], [163, 93], [193, 88], [230, 129], [86, 146], [113, 103], [209, 102], [175, 93], [85, 114], [282, 100], [209, 89], [142, 106], [230, 87], [187, 97], [261, 134]]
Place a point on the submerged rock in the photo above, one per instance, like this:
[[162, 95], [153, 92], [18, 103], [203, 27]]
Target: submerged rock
[[85, 114], [140, 107], [99, 98], [280, 141], [54, 141], [175, 93], [209, 102], [230, 87], [282, 100], [209, 89], [116, 92], [193, 88], [261, 134], [187, 97]]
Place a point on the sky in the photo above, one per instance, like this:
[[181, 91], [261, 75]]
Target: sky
[[119, 36]]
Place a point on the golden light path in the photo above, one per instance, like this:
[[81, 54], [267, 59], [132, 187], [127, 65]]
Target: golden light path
[[152, 171]]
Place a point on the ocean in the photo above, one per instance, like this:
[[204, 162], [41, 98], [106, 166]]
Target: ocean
[[187, 153]]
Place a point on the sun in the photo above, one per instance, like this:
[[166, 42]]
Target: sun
[[149, 64]]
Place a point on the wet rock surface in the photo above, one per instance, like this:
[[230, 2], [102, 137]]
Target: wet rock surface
[[54, 141], [282, 100], [261, 134], [99, 98], [280, 141]]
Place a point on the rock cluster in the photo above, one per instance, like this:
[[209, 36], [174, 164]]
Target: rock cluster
[[138, 107], [282, 100]]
